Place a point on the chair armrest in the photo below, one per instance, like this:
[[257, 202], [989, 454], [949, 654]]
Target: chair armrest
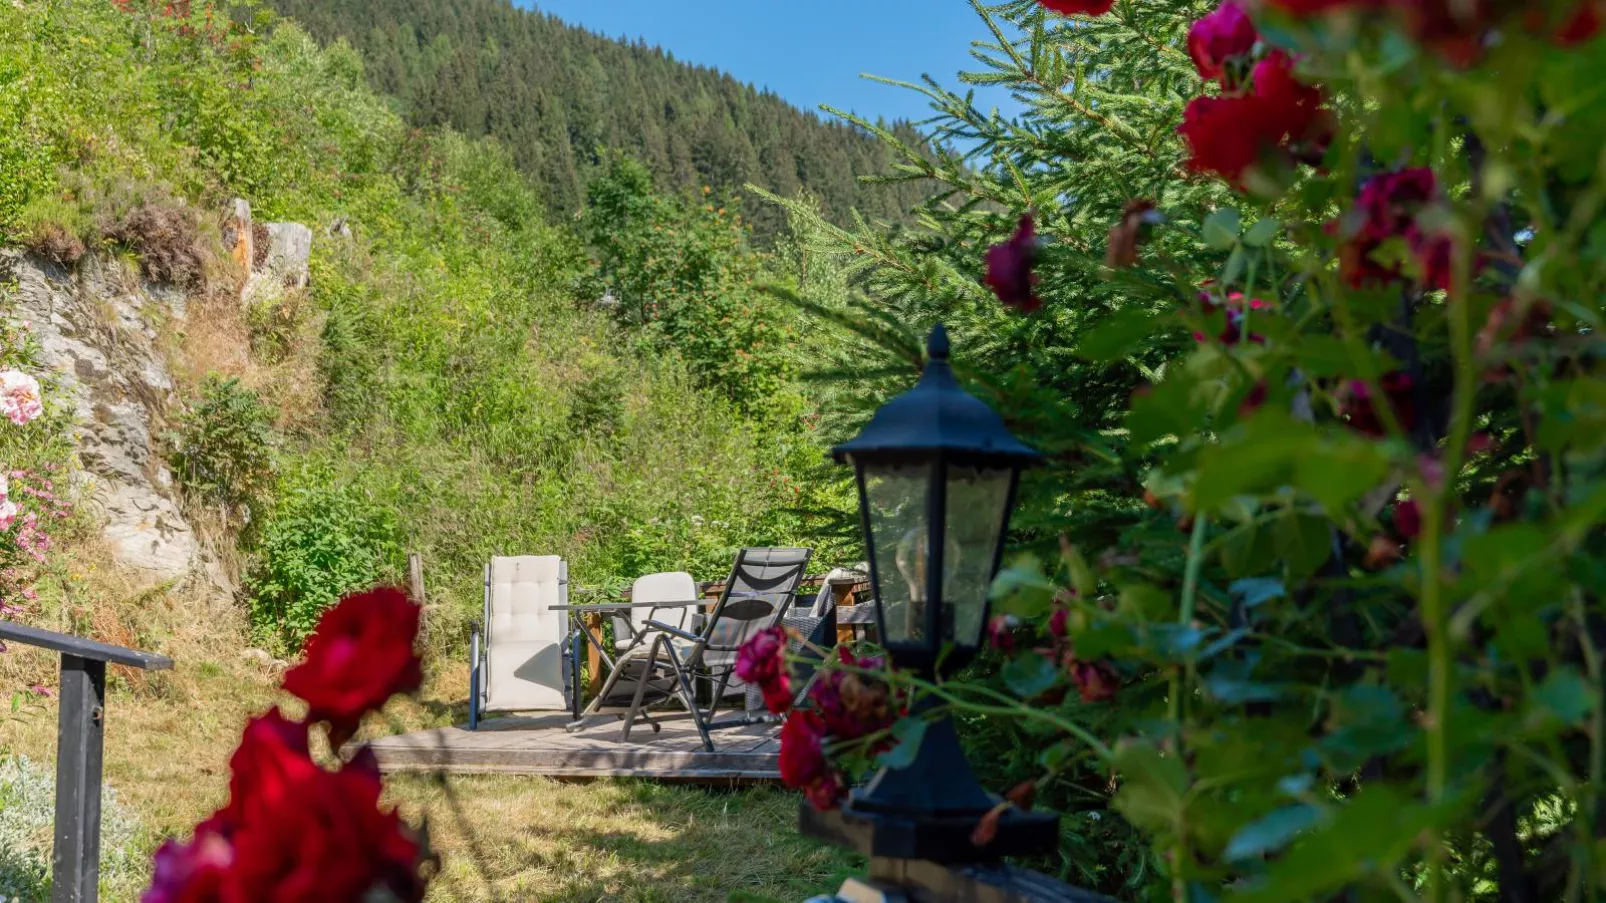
[[673, 631]]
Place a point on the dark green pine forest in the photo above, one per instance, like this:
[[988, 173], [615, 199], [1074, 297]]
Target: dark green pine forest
[[555, 94]]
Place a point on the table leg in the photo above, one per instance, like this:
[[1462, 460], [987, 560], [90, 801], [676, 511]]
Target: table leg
[[593, 657], [844, 597]]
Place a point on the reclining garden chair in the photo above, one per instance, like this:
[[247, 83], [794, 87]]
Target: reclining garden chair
[[518, 658], [668, 598], [667, 660]]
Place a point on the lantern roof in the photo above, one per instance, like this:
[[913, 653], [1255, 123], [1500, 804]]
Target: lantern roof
[[937, 416]]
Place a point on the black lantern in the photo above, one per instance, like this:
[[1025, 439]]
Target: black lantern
[[937, 472]]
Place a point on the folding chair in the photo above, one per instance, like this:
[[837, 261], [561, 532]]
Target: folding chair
[[667, 659]]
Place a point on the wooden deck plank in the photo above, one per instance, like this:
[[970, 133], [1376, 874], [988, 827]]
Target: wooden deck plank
[[540, 746]]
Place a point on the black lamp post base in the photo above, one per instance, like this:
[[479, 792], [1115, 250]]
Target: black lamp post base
[[930, 808], [934, 838]]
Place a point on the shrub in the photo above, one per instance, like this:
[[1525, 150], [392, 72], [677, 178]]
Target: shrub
[[223, 450], [1313, 609], [165, 237], [320, 542], [27, 817]]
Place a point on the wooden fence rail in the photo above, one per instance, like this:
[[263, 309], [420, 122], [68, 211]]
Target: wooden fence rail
[[80, 732]]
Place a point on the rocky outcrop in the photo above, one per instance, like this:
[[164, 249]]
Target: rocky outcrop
[[275, 256], [98, 328]]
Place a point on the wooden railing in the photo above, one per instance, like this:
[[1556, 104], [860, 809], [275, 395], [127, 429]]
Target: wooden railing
[[80, 731]]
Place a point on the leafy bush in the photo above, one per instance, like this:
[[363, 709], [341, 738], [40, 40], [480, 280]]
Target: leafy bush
[[27, 818], [1310, 608], [321, 541], [223, 450]]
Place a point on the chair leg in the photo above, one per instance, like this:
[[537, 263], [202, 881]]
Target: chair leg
[[690, 696], [641, 686], [595, 704], [474, 683]]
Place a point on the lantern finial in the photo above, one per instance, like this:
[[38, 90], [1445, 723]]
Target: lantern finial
[[937, 343]]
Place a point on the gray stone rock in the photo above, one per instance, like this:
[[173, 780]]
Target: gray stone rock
[[289, 254], [94, 328]]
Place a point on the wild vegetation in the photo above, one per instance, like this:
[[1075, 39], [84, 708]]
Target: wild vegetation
[[457, 380], [559, 97]]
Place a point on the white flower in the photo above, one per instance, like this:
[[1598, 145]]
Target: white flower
[[5, 490], [19, 397], [8, 514]]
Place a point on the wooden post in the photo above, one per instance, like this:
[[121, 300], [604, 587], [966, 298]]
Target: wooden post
[[844, 597], [593, 657], [80, 730], [415, 587]]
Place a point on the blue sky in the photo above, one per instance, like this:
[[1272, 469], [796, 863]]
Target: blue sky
[[808, 51]]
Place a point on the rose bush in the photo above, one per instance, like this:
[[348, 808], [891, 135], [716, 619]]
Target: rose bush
[[1305, 602], [292, 830]]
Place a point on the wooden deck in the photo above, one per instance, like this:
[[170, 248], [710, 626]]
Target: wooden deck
[[539, 746]]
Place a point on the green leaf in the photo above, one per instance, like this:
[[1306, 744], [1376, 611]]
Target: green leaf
[[1118, 334], [910, 733], [1029, 675], [1153, 787], [1369, 834], [1366, 720], [1564, 696], [1262, 233], [1082, 579], [1221, 228], [1234, 267], [1272, 832], [1304, 542], [1254, 590], [1338, 472], [1235, 691], [1247, 550], [1023, 591], [1260, 462]]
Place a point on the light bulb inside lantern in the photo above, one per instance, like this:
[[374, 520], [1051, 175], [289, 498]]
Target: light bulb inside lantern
[[912, 561]]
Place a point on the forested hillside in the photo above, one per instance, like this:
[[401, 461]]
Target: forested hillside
[[555, 94]]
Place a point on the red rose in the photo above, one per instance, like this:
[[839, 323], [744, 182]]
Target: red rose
[[1386, 209], [803, 765], [1359, 408], [191, 872], [851, 705], [761, 661], [1057, 623], [1315, 7], [827, 792], [327, 843], [1001, 633], [1078, 7], [1280, 120], [1096, 681], [1009, 268], [360, 656], [1225, 135], [1583, 25], [1218, 38], [1235, 306], [1407, 518], [273, 757]]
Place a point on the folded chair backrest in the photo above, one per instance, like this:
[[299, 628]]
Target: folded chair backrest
[[676, 586], [524, 636], [760, 588]]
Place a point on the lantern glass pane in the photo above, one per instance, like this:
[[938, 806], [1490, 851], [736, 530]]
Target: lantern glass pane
[[975, 515], [897, 500]]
